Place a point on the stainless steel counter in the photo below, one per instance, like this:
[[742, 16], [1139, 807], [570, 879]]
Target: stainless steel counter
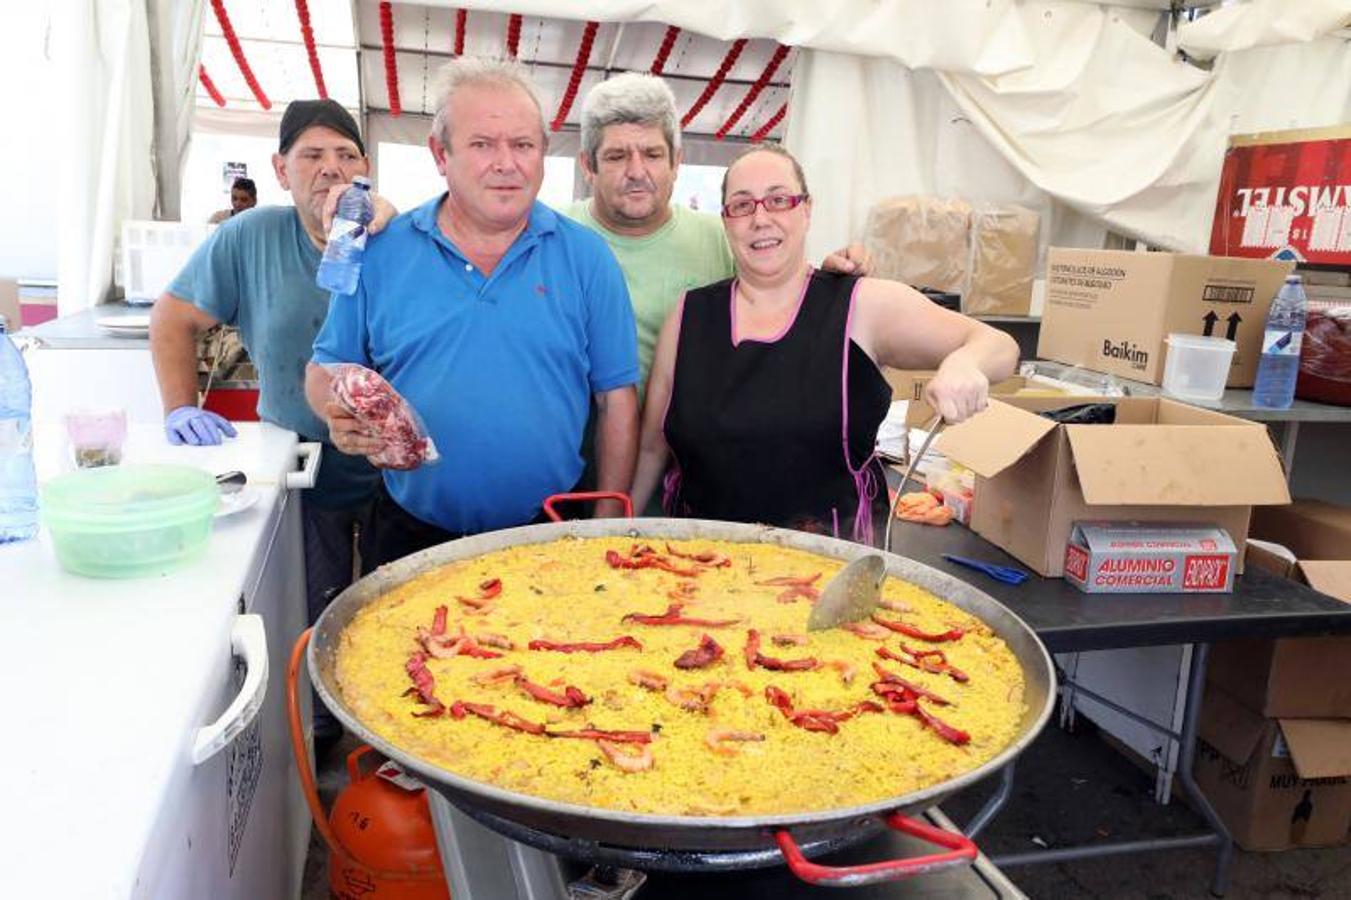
[[80, 331]]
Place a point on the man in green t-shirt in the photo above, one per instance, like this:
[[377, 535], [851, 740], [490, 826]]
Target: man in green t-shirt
[[630, 155]]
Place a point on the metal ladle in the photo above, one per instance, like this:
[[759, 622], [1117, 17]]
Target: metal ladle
[[855, 590], [231, 482]]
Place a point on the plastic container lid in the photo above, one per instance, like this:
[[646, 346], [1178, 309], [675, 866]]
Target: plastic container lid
[[1201, 342], [128, 498]]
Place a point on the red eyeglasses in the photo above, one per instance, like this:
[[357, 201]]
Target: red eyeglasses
[[774, 203]]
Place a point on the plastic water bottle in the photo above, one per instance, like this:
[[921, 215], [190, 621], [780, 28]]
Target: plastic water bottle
[[18, 481], [1276, 373], [341, 265]]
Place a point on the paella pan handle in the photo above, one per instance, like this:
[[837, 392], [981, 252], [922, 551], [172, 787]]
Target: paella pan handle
[[960, 849], [555, 516]]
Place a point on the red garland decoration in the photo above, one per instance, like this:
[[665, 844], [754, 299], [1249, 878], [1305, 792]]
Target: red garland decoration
[[391, 63], [307, 34], [461, 20], [716, 81], [763, 131], [223, 19], [513, 34], [760, 83], [664, 51], [210, 85], [575, 80]]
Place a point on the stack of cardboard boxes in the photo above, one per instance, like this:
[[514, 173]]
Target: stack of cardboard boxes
[[1275, 730]]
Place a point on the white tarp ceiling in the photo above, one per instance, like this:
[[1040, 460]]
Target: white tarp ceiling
[[1072, 104]]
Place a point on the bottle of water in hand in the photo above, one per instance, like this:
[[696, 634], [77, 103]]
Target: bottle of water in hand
[[1281, 342], [341, 265], [18, 482]]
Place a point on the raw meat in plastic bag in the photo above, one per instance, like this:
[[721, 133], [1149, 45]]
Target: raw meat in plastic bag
[[375, 403]]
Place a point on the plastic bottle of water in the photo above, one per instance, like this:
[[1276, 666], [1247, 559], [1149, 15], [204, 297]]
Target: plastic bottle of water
[[341, 265], [18, 482], [1276, 373]]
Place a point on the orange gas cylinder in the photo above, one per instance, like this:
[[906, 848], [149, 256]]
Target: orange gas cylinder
[[381, 842], [383, 821]]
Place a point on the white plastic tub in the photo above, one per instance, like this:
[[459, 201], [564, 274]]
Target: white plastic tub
[[1197, 367]]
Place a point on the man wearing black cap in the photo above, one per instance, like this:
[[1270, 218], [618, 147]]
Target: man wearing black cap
[[257, 272]]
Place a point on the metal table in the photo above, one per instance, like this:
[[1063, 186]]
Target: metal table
[[80, 331], [480, 864], [1066, 619]]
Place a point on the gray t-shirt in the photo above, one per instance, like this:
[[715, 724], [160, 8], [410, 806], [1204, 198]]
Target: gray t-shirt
[[256, 272]]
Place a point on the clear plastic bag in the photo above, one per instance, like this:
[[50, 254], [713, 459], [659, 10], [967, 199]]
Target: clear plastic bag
[[373, 401]]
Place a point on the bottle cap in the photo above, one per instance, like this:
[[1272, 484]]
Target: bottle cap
[[362, 180]]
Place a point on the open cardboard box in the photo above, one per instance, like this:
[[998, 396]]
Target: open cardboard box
[[1307, 677], [1276, 783], [1162, 461]]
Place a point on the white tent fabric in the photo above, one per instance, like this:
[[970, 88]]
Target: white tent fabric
[[1262, 23], [1104, 121], [102, 51]]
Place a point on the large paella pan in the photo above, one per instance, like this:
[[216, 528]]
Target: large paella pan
[[663, 836]]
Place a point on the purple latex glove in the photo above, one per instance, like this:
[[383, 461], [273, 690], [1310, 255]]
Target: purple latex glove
[[191, 425]]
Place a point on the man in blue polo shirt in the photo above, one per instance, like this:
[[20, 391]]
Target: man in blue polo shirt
[[496, 319]]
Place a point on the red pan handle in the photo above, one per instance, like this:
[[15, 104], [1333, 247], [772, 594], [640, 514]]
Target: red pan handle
[[586, 495], [960, 850]]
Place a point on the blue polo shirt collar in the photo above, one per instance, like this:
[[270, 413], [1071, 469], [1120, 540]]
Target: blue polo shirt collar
[[543, 220]]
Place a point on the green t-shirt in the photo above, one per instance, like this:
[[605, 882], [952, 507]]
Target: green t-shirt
[[689, 251]]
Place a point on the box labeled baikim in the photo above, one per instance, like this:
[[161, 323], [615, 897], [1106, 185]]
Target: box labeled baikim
[[1150, 558]]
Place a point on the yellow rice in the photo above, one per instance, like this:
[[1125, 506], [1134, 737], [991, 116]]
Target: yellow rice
[[564, 591]]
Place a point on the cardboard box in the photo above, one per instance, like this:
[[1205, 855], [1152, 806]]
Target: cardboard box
[[1276, 783], [1308, 677], [1140, 558], [1162, 461], [1111, 310]]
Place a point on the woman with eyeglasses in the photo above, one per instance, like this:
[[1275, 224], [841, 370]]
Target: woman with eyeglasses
[[766, 393]]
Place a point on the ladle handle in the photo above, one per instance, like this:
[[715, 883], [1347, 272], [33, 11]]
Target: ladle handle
[[555, 516], [934, 428]]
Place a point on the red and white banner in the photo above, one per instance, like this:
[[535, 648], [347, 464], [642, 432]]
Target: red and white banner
[[1286, 194]]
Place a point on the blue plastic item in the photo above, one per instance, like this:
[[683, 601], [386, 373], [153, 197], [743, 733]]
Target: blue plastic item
[[18, 480], [1281, 342], [340, 269], [1006, 574]]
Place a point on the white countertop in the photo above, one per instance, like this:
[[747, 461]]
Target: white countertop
[[102, 679]]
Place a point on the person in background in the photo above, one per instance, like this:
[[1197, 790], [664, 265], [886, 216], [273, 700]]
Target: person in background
[[496, 319], [766, 388], [257, 272], [243, 195], [630, 157]]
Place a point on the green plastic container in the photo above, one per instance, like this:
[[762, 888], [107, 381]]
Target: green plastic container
[[129, 521]]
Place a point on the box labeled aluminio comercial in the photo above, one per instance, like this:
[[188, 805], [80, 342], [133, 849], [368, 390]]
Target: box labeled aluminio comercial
[[1149, 558]]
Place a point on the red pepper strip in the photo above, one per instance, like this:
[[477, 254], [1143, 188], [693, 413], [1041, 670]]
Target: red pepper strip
[[505, 718], [806, 664], [672, 616], [899, 700], [462, 646], [952, 634], [933, 661], [790, 581], [706, 654], [586, 646], [815, 719], [791, 594], [941, 728], [597, 734], [915, 689], [707, 558], [571, 698], [645, 557], [752, 651], [490, 588], [424, 684], [439, 621], [812, 722]]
